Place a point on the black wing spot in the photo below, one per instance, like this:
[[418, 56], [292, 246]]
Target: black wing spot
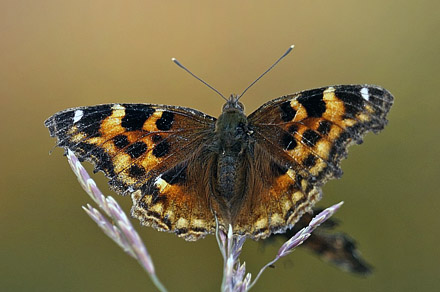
[[137, 149], [154, 213], [310, 138], [135, 116], [156, 138], [310, 161], [324, 127], [288, 141], [313, 102], [180, 231], [136, 171], [121, 141], [161, 149], [293, 129], [166, 121], [198, 229], [287, 112]]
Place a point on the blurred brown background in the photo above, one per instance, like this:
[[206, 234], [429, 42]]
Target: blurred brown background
[[60, 54]]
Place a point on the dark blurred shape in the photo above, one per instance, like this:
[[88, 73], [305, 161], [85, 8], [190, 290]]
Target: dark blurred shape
[[336, 248]]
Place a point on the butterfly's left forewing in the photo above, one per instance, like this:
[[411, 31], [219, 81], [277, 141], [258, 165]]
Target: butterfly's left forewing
[[305, 135], [143, 150]]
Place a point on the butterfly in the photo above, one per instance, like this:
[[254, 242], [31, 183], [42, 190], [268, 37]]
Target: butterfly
[[258, 173]]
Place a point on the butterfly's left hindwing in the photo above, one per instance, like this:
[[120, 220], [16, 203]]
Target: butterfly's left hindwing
[[142, 149]]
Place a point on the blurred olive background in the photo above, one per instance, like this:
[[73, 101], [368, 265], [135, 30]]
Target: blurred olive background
[[60, 54]]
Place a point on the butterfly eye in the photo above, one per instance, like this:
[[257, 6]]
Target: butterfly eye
[[240, 106]]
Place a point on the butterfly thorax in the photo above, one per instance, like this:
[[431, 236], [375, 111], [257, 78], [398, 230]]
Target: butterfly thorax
[[232, 138], [231, 127]]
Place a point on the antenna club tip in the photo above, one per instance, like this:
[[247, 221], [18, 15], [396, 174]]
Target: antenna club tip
[[176, 62], [292, 46]]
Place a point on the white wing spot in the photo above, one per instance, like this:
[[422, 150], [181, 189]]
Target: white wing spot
[[365, 94], [78, 116], [160, 183], [329, 90], [117, 106]]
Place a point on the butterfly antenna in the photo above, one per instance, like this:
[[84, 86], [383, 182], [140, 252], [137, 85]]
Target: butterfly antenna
[[270, 68], [196, 77]]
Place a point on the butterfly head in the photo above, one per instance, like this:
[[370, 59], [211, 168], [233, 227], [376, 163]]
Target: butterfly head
[[232, 104]]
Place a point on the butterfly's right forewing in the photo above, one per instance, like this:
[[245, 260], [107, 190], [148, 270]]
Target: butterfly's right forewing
[[302, 138]]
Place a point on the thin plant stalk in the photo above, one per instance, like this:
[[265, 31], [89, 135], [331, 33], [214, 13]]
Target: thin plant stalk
[[119, 227]]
